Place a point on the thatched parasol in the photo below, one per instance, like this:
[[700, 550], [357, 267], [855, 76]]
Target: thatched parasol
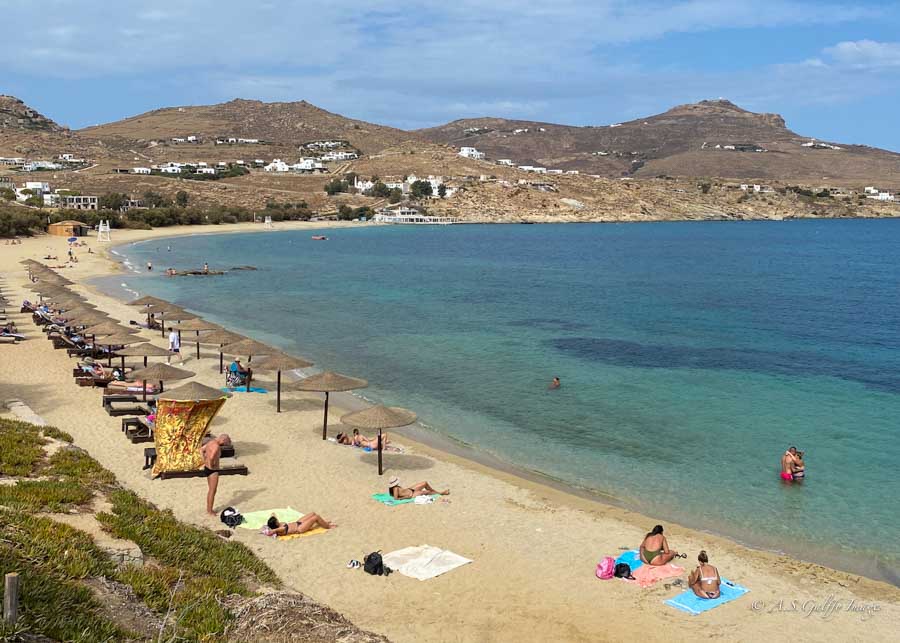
[[147, 300], [142, 350], [280, 362], [326, 383], [379, 417], [121, 339], [173, 314], [195, 324], [108, 328], [220, 338], [160, 373], [194, 392]]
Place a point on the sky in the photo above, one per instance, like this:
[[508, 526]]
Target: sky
[[831, 68]]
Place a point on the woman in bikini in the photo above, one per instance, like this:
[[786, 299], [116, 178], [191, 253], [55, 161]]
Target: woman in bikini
[[304, 524], [705, 580], [799, 467], [421, 489], [362, 441], [655, 549]]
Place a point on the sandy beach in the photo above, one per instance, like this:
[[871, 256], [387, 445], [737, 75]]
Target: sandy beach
[[534, 547]]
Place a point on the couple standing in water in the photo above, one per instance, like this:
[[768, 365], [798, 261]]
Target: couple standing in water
[[792, 466]]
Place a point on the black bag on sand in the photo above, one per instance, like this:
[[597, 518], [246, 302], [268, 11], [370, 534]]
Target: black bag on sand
[[623, 570], [231, 517], [373, 564]]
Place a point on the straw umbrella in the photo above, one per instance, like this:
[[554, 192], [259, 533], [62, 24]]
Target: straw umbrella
[[329, 382], [160, 373], [106, 328], [172, 315], [120, 339], [193, 392], [220, 338], [379, 417], [142, 350], [281, 362], [195, 325], [148, 303], [248, 347]]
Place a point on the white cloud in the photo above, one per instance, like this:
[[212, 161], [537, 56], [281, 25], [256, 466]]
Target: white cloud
[[865, 54]]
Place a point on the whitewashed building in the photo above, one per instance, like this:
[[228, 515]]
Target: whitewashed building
[[471, 153], [277, 165], [506, 162], [140, 170]]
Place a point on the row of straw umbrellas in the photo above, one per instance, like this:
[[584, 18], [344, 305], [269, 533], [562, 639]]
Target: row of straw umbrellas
[[54, 290]]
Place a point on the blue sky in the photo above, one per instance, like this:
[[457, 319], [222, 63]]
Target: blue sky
[[831, 68]]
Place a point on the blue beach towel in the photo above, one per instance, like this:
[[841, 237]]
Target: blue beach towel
[[243, 389], [632, 558], [693, 604], [390, 501]]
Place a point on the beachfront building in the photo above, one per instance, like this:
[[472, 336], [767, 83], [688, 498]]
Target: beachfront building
[[69, 229], [471, 153], [80, 202], [403, 215]]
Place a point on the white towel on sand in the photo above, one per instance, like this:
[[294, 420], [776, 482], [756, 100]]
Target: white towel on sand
[[423, 562]]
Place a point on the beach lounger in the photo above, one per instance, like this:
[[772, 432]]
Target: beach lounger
[[150, 454], [117, 408], [234, 470], [8, 340]]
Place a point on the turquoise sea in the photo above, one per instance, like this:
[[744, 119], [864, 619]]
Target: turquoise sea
[[691, 356]]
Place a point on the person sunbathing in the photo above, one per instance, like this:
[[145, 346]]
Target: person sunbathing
[[304, 524], [705, 580], [361, 441], [655, 549], [421, 489]]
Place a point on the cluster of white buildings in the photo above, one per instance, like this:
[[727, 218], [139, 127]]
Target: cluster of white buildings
[[872, 192], [331, 150], [56, 198], [754, 187], [185, 139], [233, 140], [471, 153], [817, 145], [405, 184], [306, 165], [62, 162]]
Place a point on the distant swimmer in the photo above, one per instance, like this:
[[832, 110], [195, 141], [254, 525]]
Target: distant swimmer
[[788, 464], [799, 471], [168, 248], [149, 265], [205, 267], [555, 383]]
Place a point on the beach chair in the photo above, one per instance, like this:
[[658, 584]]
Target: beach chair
[[117, 406], [150, 457]]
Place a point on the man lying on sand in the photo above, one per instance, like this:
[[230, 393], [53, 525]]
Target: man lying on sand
[[421, 489], [211, 452], [304, 524], [655, 549]]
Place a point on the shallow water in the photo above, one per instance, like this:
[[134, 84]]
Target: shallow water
[[691, 356]]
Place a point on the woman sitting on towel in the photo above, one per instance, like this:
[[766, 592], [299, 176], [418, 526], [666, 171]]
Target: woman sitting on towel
[[655, 548], [304, 524], [705, 580], [421, 489]]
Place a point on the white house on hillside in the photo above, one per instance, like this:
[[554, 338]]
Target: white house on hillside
[[471, 153], [277, 165]]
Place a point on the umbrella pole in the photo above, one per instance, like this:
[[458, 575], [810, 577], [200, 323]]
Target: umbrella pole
[[162, 325], [325, 421], [380, 470], [198, 344], [278, 395], [221, 362], [144, 387], [123, 364], [161, 386], [145, 361]]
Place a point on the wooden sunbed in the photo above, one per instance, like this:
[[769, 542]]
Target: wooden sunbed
[[150, 455], [134, 407]]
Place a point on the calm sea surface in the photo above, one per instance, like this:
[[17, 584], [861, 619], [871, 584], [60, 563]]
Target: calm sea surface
[[691, 355]]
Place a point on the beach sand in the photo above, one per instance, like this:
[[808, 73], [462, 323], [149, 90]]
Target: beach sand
[[534, 547]]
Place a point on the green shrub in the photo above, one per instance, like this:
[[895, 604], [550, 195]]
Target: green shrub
[[44, 495], [76, 464], [21, 448]]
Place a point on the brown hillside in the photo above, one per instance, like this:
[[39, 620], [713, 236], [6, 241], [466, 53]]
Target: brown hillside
[[679, 142], [282, 124]]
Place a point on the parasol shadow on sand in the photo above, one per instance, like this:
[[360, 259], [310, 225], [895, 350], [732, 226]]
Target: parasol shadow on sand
[[281, 362], [329, 382], [379, 417]]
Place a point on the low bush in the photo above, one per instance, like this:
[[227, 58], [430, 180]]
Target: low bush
[[77, 465], [21, 448], [44, 495]]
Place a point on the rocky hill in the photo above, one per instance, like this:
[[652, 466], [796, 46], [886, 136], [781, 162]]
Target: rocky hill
[[281, 124], [709, 138], [17, 116]]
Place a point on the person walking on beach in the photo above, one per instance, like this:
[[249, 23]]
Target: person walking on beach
[[174, 346], [705, 580], [655, 548], [211, 452]]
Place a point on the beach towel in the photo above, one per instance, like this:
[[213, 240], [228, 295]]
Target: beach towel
[[258, 519], [390, 501], [423, 562], [265, 531], [632, 558], [243, 389], [646, 575], [693, 604]]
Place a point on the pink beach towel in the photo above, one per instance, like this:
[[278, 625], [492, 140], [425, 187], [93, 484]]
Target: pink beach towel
[[646, 575]]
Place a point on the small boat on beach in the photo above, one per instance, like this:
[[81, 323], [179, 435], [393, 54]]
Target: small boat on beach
[[319, 237]]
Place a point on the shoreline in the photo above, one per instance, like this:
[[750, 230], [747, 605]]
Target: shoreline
[[556, 497], [441, 445]]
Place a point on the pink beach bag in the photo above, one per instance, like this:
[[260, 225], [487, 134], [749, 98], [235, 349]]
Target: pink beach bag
[[606, 568]]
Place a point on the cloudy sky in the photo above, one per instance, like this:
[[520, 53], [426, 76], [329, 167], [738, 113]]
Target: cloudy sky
[[831, 68]]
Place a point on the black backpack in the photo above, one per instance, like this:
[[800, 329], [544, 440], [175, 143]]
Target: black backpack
[[623, 570], [373, 564], [231, 517]]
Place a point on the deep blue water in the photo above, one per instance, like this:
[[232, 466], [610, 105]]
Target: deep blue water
[[691, 356]]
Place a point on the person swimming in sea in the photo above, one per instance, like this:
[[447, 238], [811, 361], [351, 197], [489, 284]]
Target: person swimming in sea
[[555, 384]]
